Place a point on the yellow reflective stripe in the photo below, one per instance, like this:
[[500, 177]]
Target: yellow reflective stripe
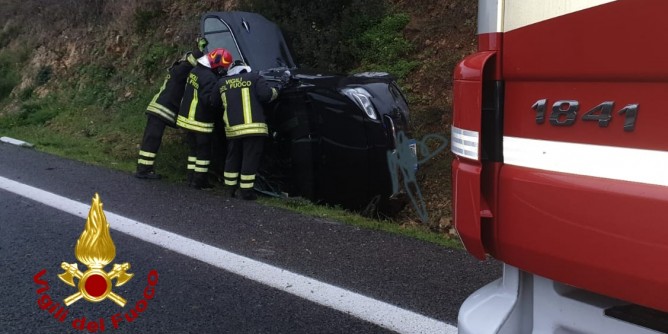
[[247, 181], [245, 98], [231, 175], [164, 84], [243, 185], [203, 162], [230, 182], [274, 94], [194, 128], [191, 162], [146, 154], [193, 106], [224, 97], [161, 110], [246, 129], [194, 125], [191, 59], [234, 134], [145, 162], [201, 169]]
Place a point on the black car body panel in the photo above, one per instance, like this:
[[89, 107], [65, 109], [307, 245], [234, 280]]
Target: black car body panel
[[330, 133]]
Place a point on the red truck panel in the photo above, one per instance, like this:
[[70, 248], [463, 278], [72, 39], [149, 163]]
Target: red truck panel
[[603, 235], [597, 233], [619, 41], [470, 210]]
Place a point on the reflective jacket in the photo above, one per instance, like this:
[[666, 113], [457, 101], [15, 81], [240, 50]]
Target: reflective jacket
[[165, 104], [241, 97], [196, 113]]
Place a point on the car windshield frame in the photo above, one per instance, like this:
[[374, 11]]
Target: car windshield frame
[[221, 36], [251, 38]]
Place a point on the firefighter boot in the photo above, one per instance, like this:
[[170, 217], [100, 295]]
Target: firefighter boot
[[247, 194], [200, 181], [229, 191], [146, 172], [189, 177]]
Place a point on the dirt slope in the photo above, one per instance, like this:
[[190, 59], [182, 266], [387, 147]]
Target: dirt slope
[[443, 33]]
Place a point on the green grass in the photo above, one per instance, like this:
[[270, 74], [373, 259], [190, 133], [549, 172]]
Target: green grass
[[112, 145], [307, 208], [383, 47], [107, 145]]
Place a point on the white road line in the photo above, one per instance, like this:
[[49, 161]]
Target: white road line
[[362, 307]]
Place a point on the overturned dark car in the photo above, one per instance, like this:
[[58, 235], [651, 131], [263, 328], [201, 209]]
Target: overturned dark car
[[329, 134]]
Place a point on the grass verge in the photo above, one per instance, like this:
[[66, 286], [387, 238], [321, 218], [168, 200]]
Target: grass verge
[[93, 152], [307, 208]]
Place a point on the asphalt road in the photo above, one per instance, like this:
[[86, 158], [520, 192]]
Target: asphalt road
[[192, 296]]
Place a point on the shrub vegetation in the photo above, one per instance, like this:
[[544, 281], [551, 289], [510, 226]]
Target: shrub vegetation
[[9, 74], [341, 36]]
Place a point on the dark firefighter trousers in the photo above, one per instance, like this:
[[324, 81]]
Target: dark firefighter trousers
[[150, 144], [199, 157], [243, 160]]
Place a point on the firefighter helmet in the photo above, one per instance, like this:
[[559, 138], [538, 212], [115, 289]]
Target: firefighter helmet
[[219, 58]]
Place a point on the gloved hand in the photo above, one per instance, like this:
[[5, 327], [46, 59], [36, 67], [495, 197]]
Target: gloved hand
[[202, 43]]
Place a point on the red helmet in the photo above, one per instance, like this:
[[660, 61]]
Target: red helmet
[[219, 58]]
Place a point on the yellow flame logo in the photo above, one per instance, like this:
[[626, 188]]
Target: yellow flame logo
[[95, 249]]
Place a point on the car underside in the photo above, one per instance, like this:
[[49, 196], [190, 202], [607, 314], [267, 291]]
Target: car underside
[[330, 134]]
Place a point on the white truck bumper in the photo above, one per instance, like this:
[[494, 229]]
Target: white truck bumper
[[520, 302]]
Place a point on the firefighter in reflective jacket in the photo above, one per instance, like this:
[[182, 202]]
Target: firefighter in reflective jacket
[[197, 115], [241, 95], [162, 110]]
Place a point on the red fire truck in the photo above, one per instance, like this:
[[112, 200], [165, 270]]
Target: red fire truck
[[560, 132]]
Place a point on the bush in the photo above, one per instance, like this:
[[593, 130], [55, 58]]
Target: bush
[[43, 75], [321, 32], [31, 113], [9, 75], [145, 17], [92, 86], [343, 35], [26, 93], [7, 35], [156, 58], [383, 47], [34, 114]]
